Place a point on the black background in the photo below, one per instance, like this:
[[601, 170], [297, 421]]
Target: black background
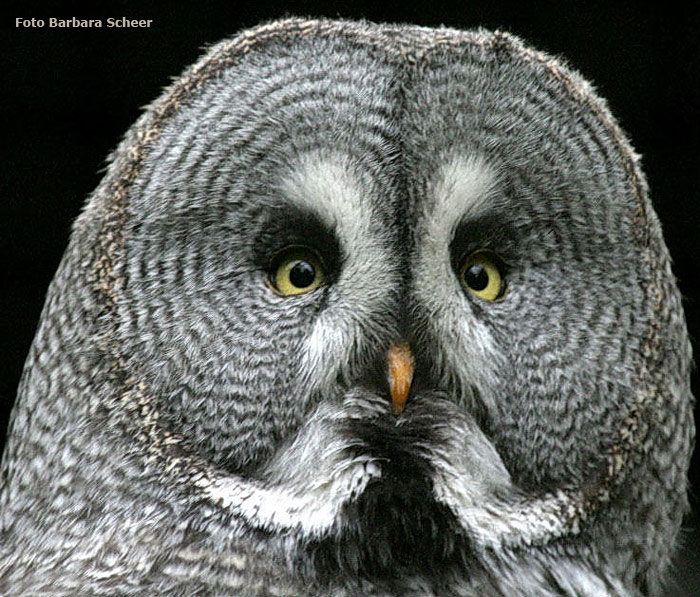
[[69, 94]]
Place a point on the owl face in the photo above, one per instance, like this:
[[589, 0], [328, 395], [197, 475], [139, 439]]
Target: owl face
[[319, 203], [405, 203], [398, 296]]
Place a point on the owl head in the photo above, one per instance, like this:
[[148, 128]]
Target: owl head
[[365, 308]]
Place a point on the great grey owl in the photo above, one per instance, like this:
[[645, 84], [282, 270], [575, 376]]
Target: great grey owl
[[357, 310]]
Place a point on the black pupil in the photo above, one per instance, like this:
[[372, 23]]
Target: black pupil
[[476, 277], [302, 274]]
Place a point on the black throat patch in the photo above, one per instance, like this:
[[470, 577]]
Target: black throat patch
[[395, 534]]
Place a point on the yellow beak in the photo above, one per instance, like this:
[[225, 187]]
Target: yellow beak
[[400, 364]]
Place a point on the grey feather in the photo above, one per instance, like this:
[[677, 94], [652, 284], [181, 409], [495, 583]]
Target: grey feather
[[183, 429]]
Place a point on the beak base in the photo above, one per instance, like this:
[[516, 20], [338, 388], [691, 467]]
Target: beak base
[[400, 374]]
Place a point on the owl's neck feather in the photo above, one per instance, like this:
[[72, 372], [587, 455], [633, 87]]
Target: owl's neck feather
[[307, 485], [308, 492]]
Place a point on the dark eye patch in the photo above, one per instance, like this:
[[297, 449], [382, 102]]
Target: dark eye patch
[[485, 233], [289, 225]]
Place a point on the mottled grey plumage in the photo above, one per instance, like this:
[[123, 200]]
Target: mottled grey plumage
[[182, 429]]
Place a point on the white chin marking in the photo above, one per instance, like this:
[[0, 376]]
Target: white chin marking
[[312, 510]]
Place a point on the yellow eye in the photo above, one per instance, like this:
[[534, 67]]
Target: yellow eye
[[296, 271], [481, 276]]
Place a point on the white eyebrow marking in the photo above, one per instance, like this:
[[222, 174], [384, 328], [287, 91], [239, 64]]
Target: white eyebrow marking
[[462, 188], [326, 186], [330, 187]]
